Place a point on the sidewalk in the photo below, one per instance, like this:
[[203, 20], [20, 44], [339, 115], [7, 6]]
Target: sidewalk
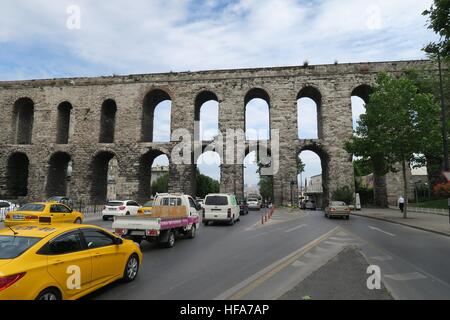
[[424, 221]]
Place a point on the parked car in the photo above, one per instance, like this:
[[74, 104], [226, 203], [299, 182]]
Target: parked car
[[43, 212], [243, 206], [120, 208], [309, 205], [221, 208], [146, 209], [172, 215], [5, 207], [200, 202], [338, 209], [36, 261], [61, 199], [254, 204]]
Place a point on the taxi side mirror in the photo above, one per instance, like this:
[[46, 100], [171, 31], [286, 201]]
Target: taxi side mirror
[[118, 241]]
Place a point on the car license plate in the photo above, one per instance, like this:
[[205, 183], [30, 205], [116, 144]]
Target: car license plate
[[138, 233], [17, 217]]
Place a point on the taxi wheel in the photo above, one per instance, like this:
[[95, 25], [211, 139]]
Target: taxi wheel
[[131, 268], [49, 294], [78, 221]]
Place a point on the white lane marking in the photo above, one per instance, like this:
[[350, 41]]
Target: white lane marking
[[258, 235], [298, 264], [339, 244], [341, 239], [406, 276], [296, 228], [382, 231], [383, 258]]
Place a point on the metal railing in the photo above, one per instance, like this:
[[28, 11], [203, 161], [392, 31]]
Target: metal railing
[[440, 212]]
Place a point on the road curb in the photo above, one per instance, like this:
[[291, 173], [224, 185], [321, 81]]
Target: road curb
[[403, 224]]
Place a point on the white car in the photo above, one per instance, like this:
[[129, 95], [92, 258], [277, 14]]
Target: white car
[[5, 207], [221, 208], [120, 208], [254, 204]]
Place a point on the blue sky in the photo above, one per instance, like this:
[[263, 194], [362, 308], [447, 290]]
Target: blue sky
[[145, 36]]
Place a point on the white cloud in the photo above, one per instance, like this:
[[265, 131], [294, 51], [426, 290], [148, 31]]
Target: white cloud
[[164, 35]]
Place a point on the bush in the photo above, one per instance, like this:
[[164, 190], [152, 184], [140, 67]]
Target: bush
[[442, 189], [344, 194]]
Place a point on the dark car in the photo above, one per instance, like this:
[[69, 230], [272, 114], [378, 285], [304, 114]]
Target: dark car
[[243, 207]]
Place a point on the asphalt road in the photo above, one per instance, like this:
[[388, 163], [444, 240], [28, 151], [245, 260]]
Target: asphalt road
[[249, 260], [414, 264]]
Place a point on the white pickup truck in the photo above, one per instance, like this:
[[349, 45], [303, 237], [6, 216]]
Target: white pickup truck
[[171, 216]]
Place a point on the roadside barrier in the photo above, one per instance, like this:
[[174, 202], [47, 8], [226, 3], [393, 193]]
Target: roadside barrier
[[267, 215]]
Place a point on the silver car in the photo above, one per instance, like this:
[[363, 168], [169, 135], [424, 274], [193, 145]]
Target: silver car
[[254, 204]]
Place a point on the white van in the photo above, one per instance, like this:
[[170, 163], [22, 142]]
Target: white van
[[220, 208]]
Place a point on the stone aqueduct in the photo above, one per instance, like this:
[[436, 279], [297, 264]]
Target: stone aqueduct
[[88, 121]]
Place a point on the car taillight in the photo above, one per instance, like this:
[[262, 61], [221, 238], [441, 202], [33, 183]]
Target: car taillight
[[8, 281], [152, 233], [31, 218], [8, 216], [229, 213], [120, 232], [203, 211], [333, 209], [122, 208]]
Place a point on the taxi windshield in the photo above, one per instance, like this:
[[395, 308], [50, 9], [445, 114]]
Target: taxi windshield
[[11, 247], [34, 207], [148, 204]]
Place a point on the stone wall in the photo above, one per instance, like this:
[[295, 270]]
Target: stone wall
[[330, 85]]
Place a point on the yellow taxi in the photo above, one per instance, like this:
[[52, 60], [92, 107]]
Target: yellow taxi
[[43, 212], [62, 261], [146, 208]]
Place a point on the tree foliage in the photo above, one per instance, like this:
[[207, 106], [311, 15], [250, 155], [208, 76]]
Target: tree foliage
[[300, 166], [439, 22], [344, 194], [206, 185], [432, 153], [399, 125], [266, 187], [161, 185]]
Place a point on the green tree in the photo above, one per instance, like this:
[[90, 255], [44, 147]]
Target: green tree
[[439, 22], [397, 125], [161, 185], [344, 194], [362, 167], [300, 169], [266, 187], [206, 185], [432, 153]]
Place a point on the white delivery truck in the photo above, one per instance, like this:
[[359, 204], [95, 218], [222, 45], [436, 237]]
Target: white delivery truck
[[172, 215]]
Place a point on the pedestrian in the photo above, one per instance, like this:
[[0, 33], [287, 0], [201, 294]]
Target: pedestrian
[[401, 203]]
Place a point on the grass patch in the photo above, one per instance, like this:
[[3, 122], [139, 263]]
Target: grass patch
[[433, 204]]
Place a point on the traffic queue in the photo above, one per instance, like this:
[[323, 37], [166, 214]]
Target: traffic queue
[[47, 253]]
